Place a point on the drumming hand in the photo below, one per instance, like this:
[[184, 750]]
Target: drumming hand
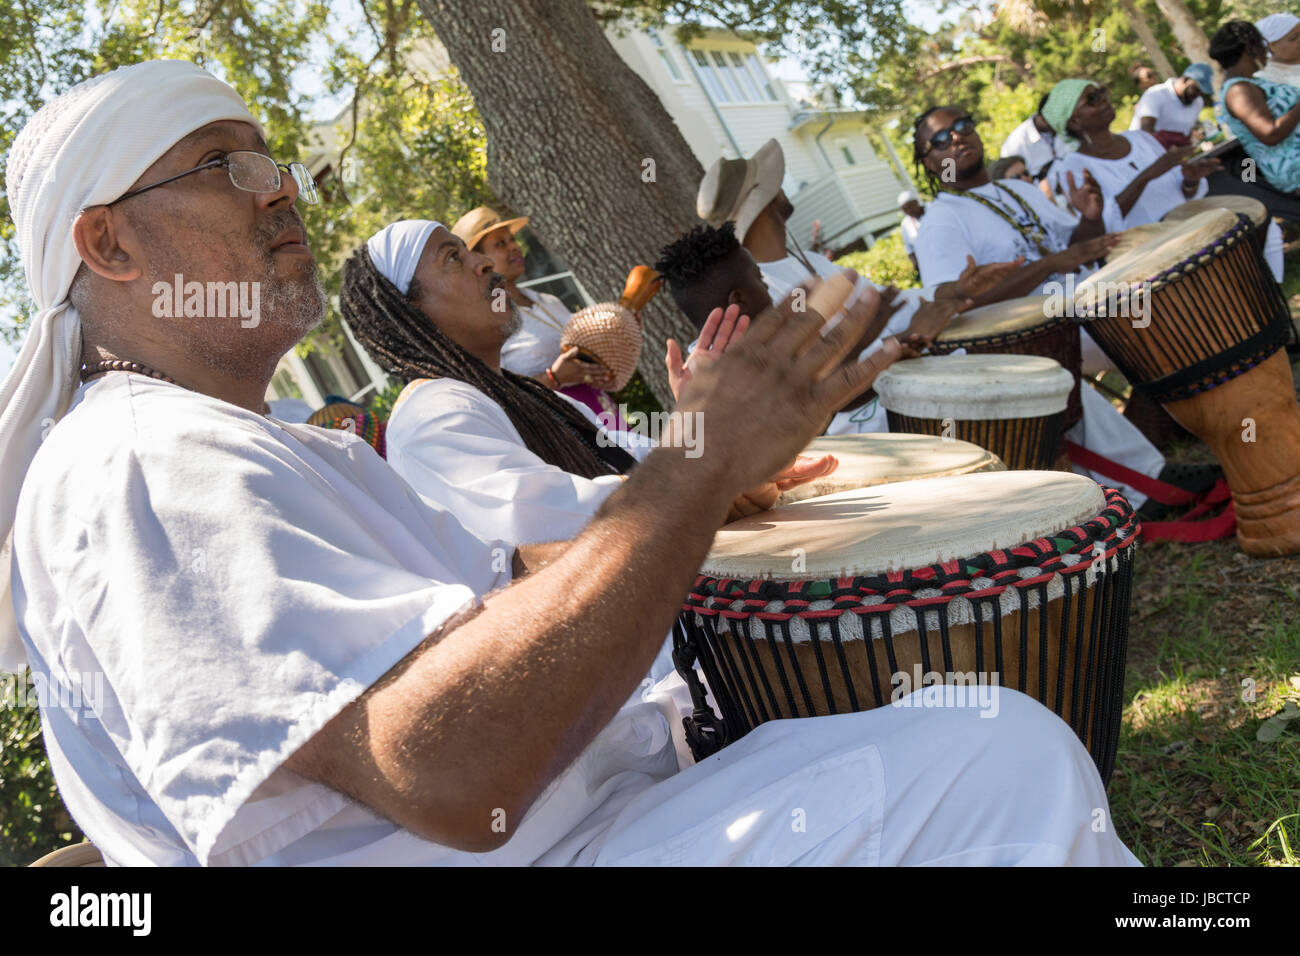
[[975, 280], [1074, 257], [931, 319], [569, 369], [722, 329], [762, 402], [1086, 196], [799, 472]]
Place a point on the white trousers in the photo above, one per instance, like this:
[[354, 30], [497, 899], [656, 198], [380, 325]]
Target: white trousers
[[1105, 431], [938, 779]]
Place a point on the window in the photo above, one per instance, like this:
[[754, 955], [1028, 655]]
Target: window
[[746, 81], [709, 77], [760, 77], [728, 78], [666, 55]]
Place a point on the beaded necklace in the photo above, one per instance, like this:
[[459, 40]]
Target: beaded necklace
[[1037, 235]]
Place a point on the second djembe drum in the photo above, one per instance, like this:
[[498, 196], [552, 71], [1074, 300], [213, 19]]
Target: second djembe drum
[[851, 601], [1012, 405], [885, 457]]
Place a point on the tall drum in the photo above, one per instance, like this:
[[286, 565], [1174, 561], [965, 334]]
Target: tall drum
[[1020, 327], [884, 457], [1208, 346], [1012, 405], [852, 601]]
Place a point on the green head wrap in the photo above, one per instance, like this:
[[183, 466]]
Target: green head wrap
[[1060, 107]]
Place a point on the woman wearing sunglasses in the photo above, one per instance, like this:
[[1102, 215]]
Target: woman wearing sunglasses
[[1139, 179]]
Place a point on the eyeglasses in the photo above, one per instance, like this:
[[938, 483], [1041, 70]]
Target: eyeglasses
[[250, 171], [943, 139], [1096, 96]]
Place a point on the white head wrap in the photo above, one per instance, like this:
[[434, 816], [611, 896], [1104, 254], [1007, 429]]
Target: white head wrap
[[1277, 25], [85, 148], [907, 196], [395, 250]]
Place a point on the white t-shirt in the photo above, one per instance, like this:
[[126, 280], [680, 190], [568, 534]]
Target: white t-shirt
[[536, 346], [1036, 148], [1170, 113], [1114, 175], [956, 226], [456, 445], [909, 227], [206, 588]]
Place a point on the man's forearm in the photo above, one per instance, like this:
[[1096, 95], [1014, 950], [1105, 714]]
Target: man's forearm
[[481, 720]]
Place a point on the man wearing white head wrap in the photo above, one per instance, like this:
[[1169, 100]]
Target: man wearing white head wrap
[[268, 649], [56, 169]]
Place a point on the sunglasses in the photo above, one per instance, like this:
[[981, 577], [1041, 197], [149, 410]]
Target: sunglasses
[[943, 138]]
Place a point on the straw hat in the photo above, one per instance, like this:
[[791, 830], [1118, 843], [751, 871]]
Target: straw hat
[[737, 190], [477, 223]]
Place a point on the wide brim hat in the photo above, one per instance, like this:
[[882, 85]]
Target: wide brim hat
[[477, 223], [737, 190]]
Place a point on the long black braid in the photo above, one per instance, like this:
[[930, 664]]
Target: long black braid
[[405, 343]]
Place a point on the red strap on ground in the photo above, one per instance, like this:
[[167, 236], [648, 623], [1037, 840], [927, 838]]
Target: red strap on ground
[[1191, 526]]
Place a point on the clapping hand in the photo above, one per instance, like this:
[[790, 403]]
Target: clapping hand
[[722, 329], [1086, 196]]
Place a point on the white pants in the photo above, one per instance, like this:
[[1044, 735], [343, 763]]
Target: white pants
[[1105, 431], [1002, 783]]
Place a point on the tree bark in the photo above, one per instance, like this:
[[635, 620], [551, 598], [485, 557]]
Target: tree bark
[[1196, 46], [577, 141], [1148, 38]]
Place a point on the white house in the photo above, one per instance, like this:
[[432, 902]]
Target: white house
[[725, 101]]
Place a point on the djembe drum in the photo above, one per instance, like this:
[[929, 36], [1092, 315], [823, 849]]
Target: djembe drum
[[1012, 405], [884, 457], [1136, 236], [851, 601], [1020, 327], [1209, 348]]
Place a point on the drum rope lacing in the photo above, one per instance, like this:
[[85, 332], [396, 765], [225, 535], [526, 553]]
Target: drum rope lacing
[[1067, 552]]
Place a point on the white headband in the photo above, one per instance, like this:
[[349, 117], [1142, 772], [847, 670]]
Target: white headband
[[84, 148], [395, 250]]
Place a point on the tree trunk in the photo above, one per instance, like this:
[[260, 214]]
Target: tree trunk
[[1188, 32], [577, 141], [1148, 38]]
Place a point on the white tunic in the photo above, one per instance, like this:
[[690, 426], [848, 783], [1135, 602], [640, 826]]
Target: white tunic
[[1114, 175], [226, 584], [536, 346], [457, 447], [1170, 113], [956, 226]]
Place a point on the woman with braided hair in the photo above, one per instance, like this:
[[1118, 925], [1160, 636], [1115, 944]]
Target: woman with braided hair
[[1263, 114], [510, 458]]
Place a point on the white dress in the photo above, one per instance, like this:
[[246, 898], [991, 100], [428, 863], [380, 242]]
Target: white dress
[[536, 346], [1114, 175]]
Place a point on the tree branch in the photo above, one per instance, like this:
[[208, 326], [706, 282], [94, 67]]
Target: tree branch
[[972, 61]]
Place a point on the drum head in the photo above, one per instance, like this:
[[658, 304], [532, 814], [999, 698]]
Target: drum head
[[1131, 239], [975, 387], [1011, 318], [1154, 257], [1252, 209], [868, 460], [902, 526]]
